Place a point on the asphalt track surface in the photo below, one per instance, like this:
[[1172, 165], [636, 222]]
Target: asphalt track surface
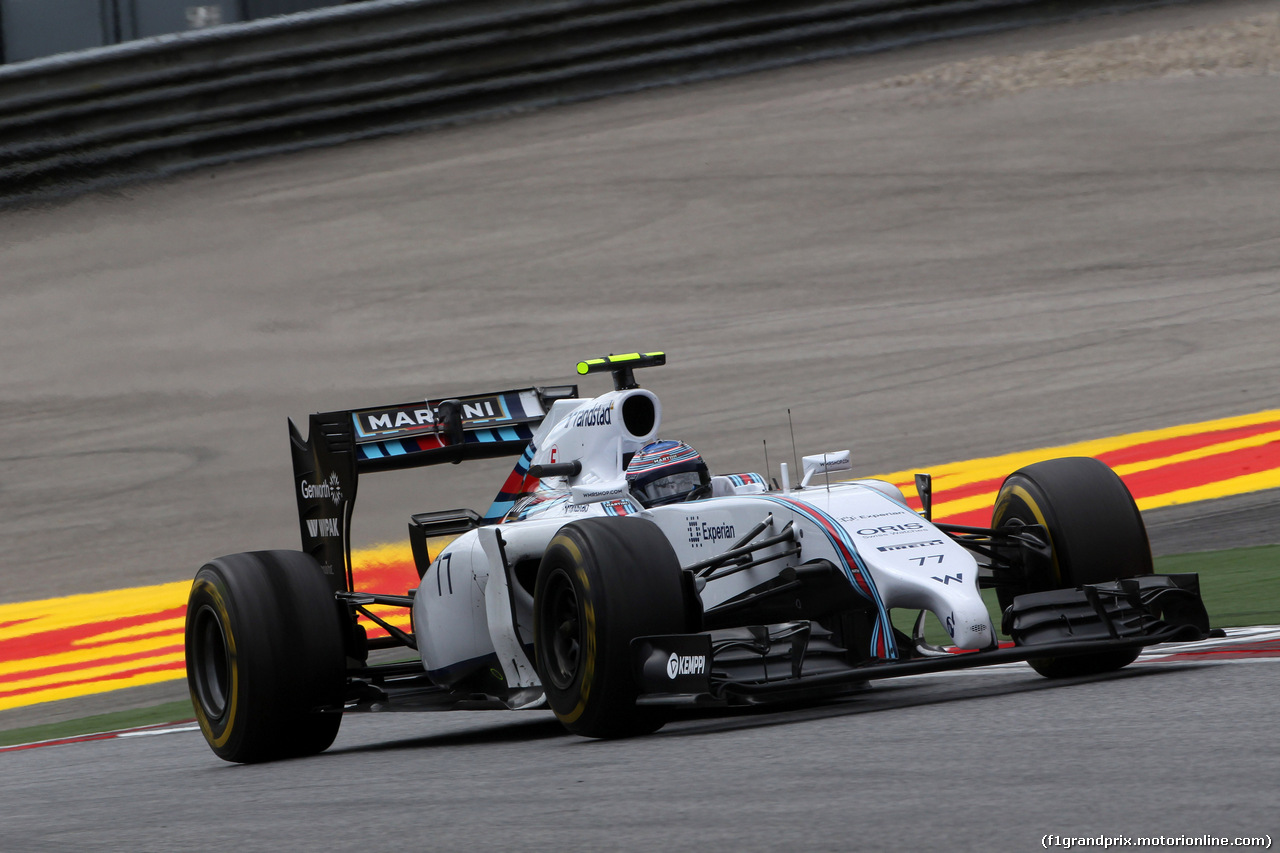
[[918, 276], [980, 761]]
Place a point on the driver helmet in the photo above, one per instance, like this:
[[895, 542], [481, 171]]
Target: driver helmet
[[666, 472]]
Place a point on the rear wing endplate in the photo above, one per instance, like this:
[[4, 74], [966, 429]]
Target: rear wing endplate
[[342, 445]]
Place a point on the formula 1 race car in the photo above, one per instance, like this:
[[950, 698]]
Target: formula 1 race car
[[609, 595]]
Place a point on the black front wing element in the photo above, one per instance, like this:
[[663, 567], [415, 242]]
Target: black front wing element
[[756, 664], [1134, 607]]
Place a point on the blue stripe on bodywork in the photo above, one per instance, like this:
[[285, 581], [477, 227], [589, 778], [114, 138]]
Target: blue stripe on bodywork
[[498, 510], [504, 501], [882, 633]]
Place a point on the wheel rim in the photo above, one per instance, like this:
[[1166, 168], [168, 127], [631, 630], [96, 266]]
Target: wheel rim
[[561, 630], [212, 662]]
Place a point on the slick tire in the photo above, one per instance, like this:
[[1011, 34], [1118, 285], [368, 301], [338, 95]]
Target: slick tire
[[1096, 535], [266, 667], [603, 582]]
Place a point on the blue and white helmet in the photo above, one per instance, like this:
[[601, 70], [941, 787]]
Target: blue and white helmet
[[665, 472]]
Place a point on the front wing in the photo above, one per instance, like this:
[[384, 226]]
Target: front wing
[[800, 659]]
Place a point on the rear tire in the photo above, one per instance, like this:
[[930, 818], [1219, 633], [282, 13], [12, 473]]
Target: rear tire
[[1096, 535], [266, 667], [602, 583]]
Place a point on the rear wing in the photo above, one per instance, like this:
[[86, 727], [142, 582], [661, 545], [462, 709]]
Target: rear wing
[[342, 445]]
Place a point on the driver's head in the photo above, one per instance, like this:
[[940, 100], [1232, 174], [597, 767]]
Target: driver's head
[[666, 472]]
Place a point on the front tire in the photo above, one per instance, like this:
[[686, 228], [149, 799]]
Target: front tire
[[1096, 535], [602, 583], [266, 667]]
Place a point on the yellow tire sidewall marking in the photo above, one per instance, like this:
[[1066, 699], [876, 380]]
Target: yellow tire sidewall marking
[[219, 604], [589, 618], [1022, 494]]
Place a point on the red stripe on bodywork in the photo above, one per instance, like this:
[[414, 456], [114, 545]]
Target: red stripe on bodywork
[[850, 560], [845, 555]]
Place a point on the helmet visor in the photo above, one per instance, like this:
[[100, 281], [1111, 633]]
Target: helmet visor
[[670, 487]]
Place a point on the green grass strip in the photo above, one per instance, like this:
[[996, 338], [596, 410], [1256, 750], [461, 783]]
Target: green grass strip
[[170, 712], [1240, 587]]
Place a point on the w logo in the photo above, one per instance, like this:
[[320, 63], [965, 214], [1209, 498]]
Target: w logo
[[946, 580]]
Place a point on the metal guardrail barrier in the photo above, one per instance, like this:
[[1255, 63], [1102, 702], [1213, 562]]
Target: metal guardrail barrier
[[161, 106]]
